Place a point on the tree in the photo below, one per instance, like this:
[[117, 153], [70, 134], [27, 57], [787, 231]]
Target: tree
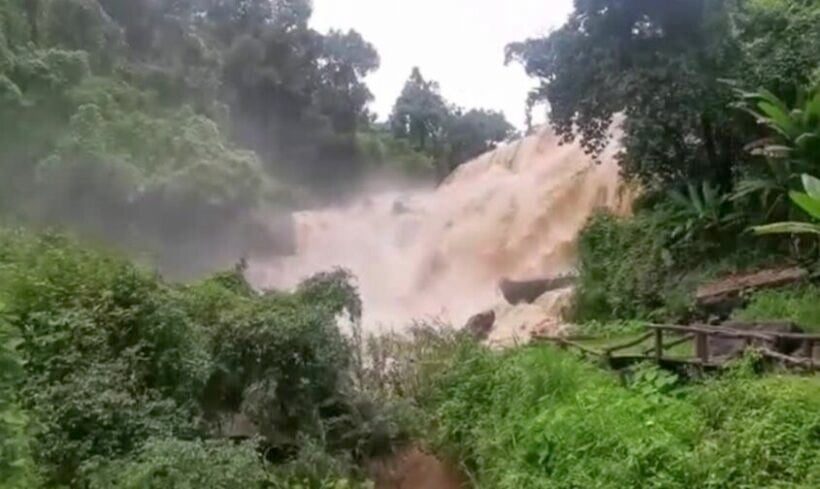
[[475, 132], [342, 96], [420, 113], [663, 65], [659, 64], [447, 133]]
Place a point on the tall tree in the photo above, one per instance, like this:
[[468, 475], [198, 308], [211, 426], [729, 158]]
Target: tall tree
[[475, 132], [657, 62], [420, 113]]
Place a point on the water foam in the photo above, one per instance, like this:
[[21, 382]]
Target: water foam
[[439, 253]]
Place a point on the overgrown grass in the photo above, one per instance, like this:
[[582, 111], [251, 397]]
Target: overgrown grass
[[798, 304], [539, 418]]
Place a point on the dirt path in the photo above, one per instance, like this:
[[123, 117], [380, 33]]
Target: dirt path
[[415, 469]]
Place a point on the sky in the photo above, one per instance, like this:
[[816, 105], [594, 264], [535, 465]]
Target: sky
[[459, 43]]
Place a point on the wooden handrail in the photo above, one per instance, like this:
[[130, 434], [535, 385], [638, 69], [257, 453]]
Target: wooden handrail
[[735, 333], [672, 344], [631, 343]]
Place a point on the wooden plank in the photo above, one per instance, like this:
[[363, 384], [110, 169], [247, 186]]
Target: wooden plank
[[631, 343], [785, 358], [563, 343], [735, 333], [672, 344], [734, 285], [583, 348]]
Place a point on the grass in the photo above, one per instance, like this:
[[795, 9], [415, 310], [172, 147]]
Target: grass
[[798, 304], [539, 418]]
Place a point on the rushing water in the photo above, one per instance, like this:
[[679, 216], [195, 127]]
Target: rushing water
[[440, 253]]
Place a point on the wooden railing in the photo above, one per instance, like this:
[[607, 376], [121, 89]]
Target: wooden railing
[[764, 341], [761, 340]]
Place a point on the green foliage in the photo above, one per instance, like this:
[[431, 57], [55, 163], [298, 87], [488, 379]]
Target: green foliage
[[649, 265], [792, 149], [420, 113], [799, 305], [660, 64], [397, 157], [175, 463], [446, 133], [626, 267], [703, 213], [15, 457], [610, 328], [536, 417], [809, 202], [114, 357]]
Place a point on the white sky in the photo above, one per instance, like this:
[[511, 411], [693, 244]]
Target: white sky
[[459, 43]]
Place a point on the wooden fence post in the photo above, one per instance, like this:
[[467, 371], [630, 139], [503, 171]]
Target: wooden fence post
[[658, 345], [702, 347]]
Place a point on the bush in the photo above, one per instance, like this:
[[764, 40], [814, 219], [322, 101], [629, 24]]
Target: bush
[[537, 417], [16, 468], [641, 267], [798, 304], [110, 360], [174, 463], [625, 267], [115, 357]]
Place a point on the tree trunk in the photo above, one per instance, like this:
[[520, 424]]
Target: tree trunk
[[33, 13], [719, 165]]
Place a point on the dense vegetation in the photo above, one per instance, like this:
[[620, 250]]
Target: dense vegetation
[[167, 126], [127, 380], [163, 125], [721, 106], [538, 418]]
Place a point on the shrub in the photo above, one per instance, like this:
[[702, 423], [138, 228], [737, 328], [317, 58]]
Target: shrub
[[110, 360], [537, 417], [170, 463], [642, 268], [798, 304], [115, 357], [15, 458]]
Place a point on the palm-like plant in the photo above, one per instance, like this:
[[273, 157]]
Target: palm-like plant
[[700, 210], [809, 201], [797, 131], [793, 149]]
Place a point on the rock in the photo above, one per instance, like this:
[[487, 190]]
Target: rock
[[527, 292], [721, 297], [481, 325]]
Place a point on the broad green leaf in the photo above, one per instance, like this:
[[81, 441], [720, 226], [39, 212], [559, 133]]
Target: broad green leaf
[[679, 199], [694, 196], [774, 100], [788, 228], [779, 120], [807, 203], [812, 186], [812, 112], [805, 139]]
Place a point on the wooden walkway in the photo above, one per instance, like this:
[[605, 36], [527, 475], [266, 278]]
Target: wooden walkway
[[711, 347]]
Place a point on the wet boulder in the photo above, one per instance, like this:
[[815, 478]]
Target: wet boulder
[[527, 292], [481, 325]]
